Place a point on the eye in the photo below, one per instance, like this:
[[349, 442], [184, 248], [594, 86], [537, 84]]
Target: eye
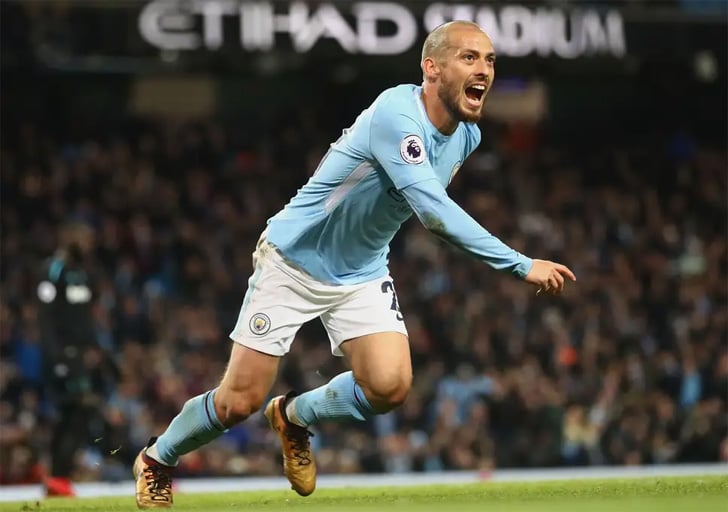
[[469, 57]]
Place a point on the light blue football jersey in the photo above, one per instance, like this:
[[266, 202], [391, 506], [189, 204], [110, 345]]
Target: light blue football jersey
[[339, 225]]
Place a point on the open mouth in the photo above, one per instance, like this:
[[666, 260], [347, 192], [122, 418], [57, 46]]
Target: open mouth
[[474, 94]]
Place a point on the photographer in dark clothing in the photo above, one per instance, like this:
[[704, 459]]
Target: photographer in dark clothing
[[70, 351]]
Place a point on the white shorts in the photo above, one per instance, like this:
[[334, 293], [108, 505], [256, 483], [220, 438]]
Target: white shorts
[[281, 298]]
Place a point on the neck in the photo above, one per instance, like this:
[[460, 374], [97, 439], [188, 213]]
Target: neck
[[439, 115]]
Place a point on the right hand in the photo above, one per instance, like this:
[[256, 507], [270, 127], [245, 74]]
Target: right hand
[[549, 276]]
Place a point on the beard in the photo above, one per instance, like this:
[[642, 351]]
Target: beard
[[450, 95]]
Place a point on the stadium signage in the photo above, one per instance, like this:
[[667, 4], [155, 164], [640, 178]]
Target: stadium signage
[[517, 30]]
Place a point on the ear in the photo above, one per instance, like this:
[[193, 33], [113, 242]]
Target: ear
[[430, 68]]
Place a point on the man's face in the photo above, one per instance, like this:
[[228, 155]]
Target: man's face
[[467, 72]]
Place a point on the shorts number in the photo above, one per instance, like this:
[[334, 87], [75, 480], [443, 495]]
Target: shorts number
[[388, 286]]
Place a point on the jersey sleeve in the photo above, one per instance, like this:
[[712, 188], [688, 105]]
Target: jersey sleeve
[[396, 141], [443, 217], [48, 311]]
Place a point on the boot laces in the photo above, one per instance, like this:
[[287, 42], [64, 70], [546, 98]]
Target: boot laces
[[298, 437], [159, 483]]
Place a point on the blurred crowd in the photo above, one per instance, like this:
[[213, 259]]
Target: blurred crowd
[[628, 367]]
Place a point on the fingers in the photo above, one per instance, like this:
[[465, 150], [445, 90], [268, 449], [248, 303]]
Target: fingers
[[564, 270], [554, 281], [550, 277], [554, 284]]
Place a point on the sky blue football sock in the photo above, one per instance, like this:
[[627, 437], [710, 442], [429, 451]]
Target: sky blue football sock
[[341, 399], [196, 425]]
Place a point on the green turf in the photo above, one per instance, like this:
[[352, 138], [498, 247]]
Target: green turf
[[689, 494]]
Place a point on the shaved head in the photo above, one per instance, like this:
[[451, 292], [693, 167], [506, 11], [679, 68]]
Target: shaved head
[[438, 41], [458, 68]]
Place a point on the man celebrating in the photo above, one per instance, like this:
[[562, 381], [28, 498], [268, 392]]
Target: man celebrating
[[325, 255]]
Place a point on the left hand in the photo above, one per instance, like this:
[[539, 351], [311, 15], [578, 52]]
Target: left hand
[[549, 276]]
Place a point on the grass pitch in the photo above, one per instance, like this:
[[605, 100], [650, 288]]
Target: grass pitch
[[684, 494]]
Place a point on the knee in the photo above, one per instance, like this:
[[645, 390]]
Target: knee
[[388, 392], [234, 406]]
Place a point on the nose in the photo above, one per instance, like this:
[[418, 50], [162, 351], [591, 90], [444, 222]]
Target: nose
[[484, 70], [482, 75]]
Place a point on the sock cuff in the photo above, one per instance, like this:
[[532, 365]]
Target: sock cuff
[[361, 399], [209, 404], [150, 459]]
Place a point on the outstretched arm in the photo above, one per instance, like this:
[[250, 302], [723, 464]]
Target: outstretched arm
[[443, 217]]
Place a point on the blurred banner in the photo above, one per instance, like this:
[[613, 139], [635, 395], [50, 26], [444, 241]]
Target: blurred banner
[[146, 35], [378, 28]]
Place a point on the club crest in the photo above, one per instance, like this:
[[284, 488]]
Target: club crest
[[259, 324]]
